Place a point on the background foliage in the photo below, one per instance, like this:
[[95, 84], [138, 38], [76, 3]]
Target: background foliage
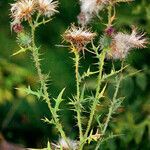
[[20, 115]]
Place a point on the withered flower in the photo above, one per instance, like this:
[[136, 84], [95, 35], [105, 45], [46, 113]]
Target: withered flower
[[78, 37]]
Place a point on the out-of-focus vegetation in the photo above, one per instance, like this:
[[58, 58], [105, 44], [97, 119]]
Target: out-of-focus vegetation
[[20, 115]]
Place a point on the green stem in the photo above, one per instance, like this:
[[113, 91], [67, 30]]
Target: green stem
[[110, 112], [77, 59], [43, 84], [95, 102], [109, 15], [101, 65]]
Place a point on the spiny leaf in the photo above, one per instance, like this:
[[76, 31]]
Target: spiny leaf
[[58, 100], [101, 94], [117, 104], [93, 137], [119, 1], [46, 120], [88, 73], [100, 125], [28, 90], [111, 136], [113, 72], [82, 93], [22, 50], [131, 74], [48, 146]]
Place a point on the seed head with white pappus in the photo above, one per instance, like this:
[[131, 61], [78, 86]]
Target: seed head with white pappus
[[123, 43], [62, 144], [78, 37], [22, 9], [47, 7], [89, 8]]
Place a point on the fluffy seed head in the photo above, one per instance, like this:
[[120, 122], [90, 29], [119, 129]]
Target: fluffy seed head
[[47, 7], [79, 37], [22, 9], [89, 8], [122, 44], [64, 145]]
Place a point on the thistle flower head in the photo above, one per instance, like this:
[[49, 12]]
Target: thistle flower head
[[122, 44], [78, 37], [22, 9], [64, 145], [47, 7], [89, 8]]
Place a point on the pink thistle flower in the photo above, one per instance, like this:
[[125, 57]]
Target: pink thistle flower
[[16, 26], [109, 31]]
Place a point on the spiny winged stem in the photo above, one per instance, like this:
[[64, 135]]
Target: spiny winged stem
[[95, 102], [109, 15], [36, 59], [101, 64], [110, 112], [77, 60]]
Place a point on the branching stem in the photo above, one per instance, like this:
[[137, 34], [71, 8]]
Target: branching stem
[[110, 112], [95, 102], [36, 59]]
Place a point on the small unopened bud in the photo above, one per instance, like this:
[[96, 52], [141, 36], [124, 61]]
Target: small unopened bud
[[109, 31], [24, 39], [17, 27]]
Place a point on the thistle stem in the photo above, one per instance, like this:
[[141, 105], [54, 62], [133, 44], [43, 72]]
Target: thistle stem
[[109, 15], [95, 102], [110, 112], [77, 60], [36, 59]]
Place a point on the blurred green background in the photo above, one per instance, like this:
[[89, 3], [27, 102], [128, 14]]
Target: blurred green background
[[20, 115]]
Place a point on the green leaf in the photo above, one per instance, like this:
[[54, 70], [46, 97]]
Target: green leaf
[[46, 120], [82, 93], [48, 146], [88, 73], [105, 42], [139, 134], [101, 94], [22, 50], [127, 87], [28, 90], [58, 101], [141, 81], [117, 104]]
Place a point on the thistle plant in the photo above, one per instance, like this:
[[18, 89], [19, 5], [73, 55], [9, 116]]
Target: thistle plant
[[112, 45]]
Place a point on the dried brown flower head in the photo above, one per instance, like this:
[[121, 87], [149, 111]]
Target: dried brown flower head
[[78, 37], [122, 44]]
